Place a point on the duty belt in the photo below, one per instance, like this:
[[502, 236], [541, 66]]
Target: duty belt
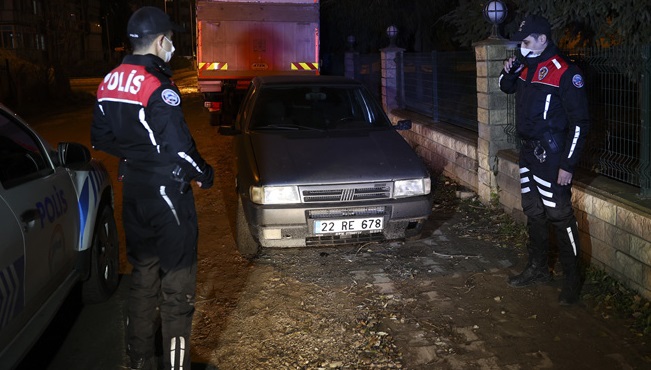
[[142, 172]]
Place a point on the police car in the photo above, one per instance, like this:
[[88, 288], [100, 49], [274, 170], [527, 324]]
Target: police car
[[57, 229]]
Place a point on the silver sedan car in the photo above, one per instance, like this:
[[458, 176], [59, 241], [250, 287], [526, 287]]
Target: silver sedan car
[[320, 164], [57, 230]]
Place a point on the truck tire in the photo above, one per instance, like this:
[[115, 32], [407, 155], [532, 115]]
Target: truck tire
[[105, 262], [215, 119], [246, 245]]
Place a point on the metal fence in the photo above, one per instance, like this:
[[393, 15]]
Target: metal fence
[[618, 143], [441, 85], [368, 70]]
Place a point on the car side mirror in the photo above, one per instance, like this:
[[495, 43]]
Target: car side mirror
[[228, 130], [73, 155], [404, 124]]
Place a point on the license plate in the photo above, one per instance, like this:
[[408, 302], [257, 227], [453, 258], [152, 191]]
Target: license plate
[[350, 225]]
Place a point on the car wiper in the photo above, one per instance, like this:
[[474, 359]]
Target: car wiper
[[286, 126]]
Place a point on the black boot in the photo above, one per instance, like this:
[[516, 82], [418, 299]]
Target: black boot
[[532, 274], [569, 294], [571, 282], [569, 250], [537, 270], [142, 363]]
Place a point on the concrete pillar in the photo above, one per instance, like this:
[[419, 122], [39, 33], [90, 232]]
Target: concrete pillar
[[350, 63], [391, 93], [491, 113]]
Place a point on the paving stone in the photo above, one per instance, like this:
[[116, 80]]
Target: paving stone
[[385, 288], [381, 278], [424, 355]]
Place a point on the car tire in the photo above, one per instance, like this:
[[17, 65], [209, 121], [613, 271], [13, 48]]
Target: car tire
[[104, 259], [246, 245]]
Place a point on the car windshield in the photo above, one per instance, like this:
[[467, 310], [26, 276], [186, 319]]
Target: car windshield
[[316, 108]]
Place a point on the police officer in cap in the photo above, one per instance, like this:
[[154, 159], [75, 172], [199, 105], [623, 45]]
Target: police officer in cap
[[138, 118], [552, 121]]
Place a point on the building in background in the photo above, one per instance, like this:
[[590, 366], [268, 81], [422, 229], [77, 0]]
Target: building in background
[[82, 35], [53, 31]]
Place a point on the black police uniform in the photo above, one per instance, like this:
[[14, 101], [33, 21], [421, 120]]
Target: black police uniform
[[138, 118], [552, 119]]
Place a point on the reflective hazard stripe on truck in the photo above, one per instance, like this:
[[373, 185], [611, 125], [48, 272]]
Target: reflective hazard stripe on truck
[[304, 66], [214, 66]]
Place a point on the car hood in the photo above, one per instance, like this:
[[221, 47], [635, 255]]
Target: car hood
[[326, 158]]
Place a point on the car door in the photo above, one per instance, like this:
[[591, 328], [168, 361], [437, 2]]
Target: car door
[[43, 204], [12, 262]]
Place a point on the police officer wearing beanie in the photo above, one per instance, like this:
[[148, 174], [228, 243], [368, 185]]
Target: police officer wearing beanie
[[552, 121], [138, 118]]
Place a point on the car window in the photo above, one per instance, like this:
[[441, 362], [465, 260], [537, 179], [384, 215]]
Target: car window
[[315, 108], [22, 158]]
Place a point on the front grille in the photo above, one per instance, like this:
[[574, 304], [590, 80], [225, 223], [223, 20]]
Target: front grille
[[327, 240], [358, 212], [346, 193]]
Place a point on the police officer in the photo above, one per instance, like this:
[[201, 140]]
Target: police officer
[[138, 118], [552, 120]]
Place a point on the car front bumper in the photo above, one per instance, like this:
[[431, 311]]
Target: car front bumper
[[293, 225]]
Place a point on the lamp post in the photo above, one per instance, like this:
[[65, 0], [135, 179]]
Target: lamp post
[[495, 12], [392, 32]]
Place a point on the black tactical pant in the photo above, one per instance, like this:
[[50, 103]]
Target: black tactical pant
[[161, 232], [545, 202]]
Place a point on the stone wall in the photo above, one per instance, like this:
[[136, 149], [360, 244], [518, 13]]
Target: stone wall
[[616, 237], [445, 149]]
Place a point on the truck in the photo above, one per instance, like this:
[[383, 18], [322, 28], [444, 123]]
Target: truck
[[239, 40]]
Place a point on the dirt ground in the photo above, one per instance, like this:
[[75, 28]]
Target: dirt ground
[[440, 302]]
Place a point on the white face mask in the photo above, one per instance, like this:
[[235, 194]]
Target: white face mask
[[528, 53], [168, 54]]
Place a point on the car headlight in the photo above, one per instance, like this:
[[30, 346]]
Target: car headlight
[[275, 194], [413, 187]]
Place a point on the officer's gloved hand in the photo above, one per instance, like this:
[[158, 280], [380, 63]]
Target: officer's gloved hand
[[206, 177]]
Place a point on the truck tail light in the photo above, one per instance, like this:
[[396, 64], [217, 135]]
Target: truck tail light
[[213, 106]]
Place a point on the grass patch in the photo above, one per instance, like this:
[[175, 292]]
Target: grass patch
[[610, 298]]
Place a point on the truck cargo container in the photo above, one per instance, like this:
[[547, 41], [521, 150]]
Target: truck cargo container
[[238, 40]]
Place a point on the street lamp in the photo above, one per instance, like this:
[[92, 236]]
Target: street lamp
[[392, 32], [495, 12]]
